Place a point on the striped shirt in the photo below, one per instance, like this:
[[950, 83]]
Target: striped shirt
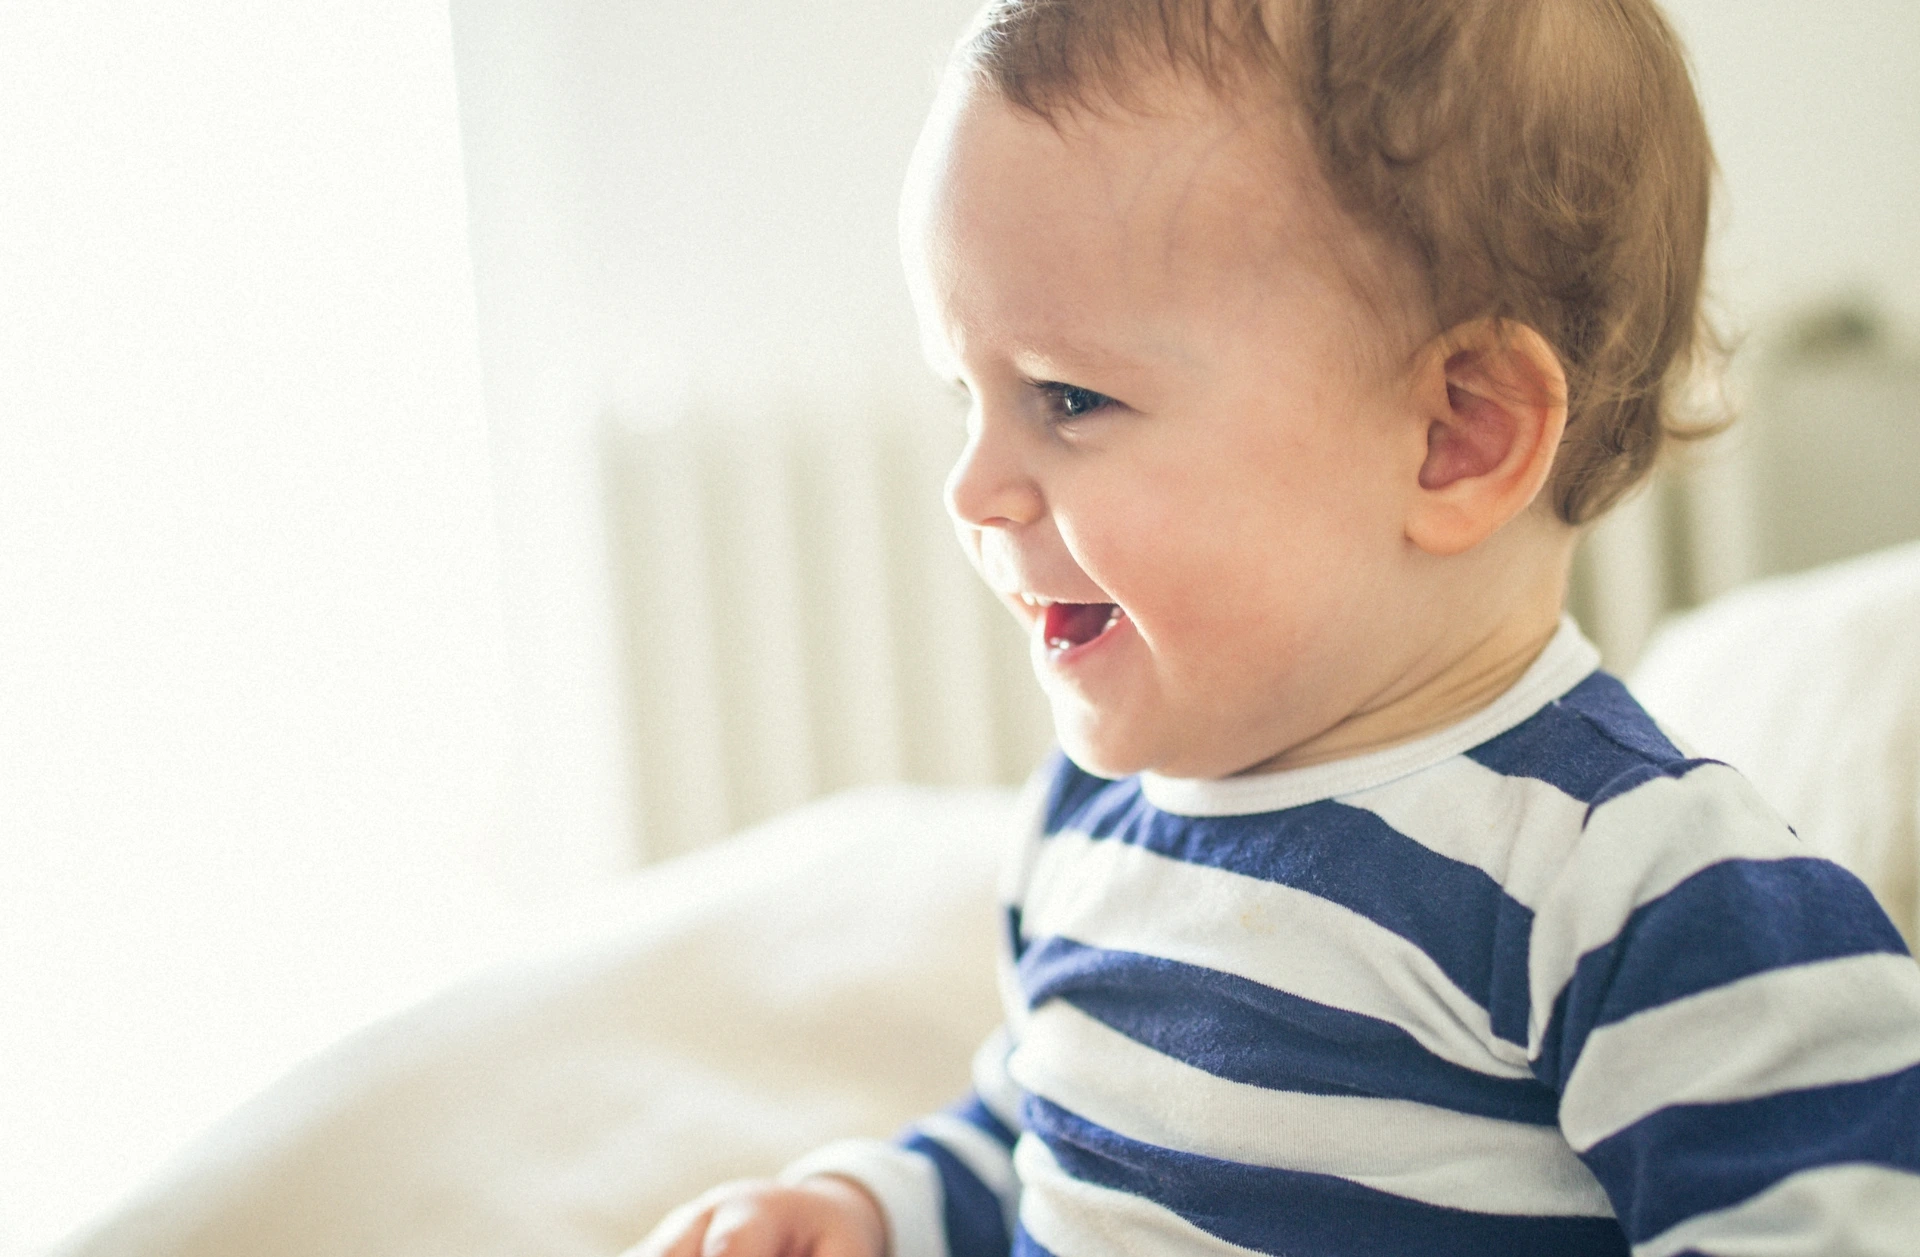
[[1538, 984]]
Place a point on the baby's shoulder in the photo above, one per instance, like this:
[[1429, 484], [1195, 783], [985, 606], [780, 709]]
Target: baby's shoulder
[[1632, 802], [1587, 799], [1592, 744]]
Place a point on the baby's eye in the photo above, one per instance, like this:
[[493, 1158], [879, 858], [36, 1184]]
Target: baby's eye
[[961, 395], [1070, 401]]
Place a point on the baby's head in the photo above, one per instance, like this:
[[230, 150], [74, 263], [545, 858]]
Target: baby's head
[[1301, 335]]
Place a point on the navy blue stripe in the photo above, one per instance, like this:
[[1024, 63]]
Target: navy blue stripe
[[974, 1112], [1350, 856], [1691, 1159], [1594, 733], [1240, 1030], [1299, 1214], [1728, 921], [1016, 936], [1094, 805], [1024, 1245], [976, 1227], [1069, 787], [1604, 701], [1509, 997]]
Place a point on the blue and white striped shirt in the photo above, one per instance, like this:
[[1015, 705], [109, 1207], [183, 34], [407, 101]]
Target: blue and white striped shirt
[[1538, 984]]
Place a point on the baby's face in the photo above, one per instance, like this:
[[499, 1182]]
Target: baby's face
[[1187, 460]]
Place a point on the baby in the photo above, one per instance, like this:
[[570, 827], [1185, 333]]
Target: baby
[[1360, 914]]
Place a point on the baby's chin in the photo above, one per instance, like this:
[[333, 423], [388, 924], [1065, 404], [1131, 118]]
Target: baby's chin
[[1115, 749], [1105, 748]]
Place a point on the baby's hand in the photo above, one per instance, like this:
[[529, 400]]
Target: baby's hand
[[819, 1217]]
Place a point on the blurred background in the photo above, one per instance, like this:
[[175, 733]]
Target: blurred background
[[451, 456]]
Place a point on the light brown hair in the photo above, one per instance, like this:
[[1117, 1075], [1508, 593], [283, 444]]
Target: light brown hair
[[1542, 162]]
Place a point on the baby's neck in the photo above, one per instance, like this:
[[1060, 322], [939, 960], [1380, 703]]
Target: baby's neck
[[1453, 683]]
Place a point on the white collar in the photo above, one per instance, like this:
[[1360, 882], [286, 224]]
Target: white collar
[[1567, 660]]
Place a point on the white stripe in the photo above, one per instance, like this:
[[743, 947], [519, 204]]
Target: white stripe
[[1636, 848], [1416, 1151], [982, 1154], [1517, 830], [1013, 1003], [991, 1082], [1016, 869], [1836, 1211], [1075, 1219], [906, 1184], [1027, 823], [1123, 897], [1813, 1025]]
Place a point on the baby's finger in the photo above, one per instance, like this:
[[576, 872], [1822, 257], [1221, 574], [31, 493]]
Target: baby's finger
[[843, 1244], [679, 1234], [739, 1227]]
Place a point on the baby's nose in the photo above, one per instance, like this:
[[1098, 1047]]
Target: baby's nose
[[991, 486]]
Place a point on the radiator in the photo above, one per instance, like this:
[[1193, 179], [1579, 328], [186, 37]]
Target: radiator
[[800, 619]]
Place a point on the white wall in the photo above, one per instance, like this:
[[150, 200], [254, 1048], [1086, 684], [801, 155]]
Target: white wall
[[250, 650], [1815, 111]]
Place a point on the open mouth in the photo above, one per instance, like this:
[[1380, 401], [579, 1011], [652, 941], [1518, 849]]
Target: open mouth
[[1071, 624]]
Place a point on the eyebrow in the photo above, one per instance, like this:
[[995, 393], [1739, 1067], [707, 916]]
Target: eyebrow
[[1070, 354], [1059, 358], [1066, 357]]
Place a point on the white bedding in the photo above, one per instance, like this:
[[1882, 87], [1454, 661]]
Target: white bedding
[[828, 973]]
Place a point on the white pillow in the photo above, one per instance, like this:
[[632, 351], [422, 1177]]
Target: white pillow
[[1810, 684]]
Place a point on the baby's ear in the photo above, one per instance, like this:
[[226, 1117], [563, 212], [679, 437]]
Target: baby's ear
[[1493, 397]]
